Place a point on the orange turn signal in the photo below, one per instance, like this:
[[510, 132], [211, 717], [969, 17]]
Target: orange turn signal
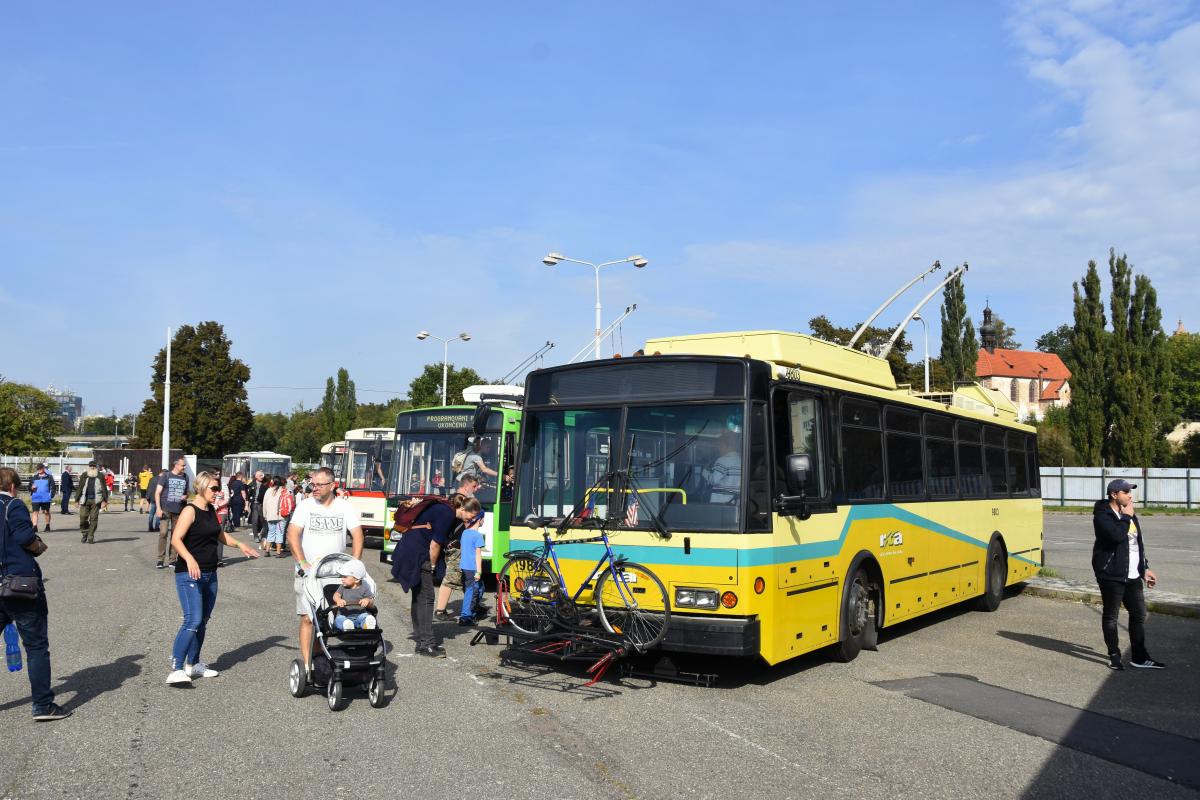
[[759, 585], [729, 599]]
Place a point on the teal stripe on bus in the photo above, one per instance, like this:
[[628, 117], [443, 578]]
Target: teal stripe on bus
[[762, 556]]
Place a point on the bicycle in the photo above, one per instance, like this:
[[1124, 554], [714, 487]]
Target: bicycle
[[631, 601]]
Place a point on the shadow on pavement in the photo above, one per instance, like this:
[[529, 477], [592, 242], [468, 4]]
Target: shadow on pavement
[[250, 650], [1056, 645], [90, 682], [113, 541]]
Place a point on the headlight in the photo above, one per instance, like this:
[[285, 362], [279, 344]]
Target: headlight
[[695, 598]]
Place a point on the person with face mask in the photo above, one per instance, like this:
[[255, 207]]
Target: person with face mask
[[91, 495]]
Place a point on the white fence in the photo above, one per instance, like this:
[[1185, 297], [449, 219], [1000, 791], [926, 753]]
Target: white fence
[[1083, 486]]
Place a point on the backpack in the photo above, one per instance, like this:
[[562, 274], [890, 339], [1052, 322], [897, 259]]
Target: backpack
[[287, 504], [456, 463], [408, 511]]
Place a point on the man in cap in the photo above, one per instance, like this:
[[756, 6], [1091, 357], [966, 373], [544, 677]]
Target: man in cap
[[91, 495], [1119, 561]]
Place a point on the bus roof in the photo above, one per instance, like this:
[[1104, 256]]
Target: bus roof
[[801, 357], [368, 433]]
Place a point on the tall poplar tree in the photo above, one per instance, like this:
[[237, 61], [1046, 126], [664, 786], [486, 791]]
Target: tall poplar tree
[[328, 414], [960, 348], [1087, 359], [346, 402]]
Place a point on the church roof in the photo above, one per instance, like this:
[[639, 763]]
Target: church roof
[[1022, 364]]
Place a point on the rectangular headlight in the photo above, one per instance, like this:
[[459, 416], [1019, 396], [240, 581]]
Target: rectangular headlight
[[695, 598]]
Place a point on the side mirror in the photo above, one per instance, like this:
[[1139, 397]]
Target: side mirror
[[799, 465], [479, 423]]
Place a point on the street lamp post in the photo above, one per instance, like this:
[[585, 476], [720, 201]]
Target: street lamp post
[[466, 337], [925, 328], [553, 259]]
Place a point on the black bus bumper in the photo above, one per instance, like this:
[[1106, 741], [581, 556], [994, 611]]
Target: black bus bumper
[[712, 636]]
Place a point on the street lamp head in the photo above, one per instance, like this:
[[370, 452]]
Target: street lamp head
[[466, 337], [917, 317], [552, 258], [423, 335], [639, 261]]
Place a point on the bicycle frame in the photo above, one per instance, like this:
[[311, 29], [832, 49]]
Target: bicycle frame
[[612, 561]]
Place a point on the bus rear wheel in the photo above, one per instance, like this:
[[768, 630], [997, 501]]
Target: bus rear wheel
[[857, 615], [993, 580]]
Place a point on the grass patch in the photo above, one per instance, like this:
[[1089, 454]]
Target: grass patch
[[1049, 572]]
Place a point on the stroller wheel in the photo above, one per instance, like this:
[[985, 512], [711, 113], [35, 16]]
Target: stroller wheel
[[375, 692], [297, 679], [335, 695]]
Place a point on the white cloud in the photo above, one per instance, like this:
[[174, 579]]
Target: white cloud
[[1127, 175]]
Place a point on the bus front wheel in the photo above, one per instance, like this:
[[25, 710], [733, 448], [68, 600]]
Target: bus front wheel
[[858, 616], [993, 580]]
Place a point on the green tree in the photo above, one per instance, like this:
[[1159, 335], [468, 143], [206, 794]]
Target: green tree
[[1189, 452], [266, 431], [380, 415], [328, 413], [938, 377], [822, 328], [1184, 352], [1054, 438], [1057, 341], [209, 412], [303, 435], [1087, 359], [425, 391], [106, 426], [345, 403], [29, 420], [960, 348]]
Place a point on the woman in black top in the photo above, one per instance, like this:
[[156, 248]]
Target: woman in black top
[[196, 538]]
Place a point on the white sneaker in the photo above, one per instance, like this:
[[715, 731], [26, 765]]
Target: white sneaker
[[178, 678], [202, 670], [348, 625], [369, 623]]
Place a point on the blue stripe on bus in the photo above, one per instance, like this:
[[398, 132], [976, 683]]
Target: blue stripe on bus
[[764, 556]]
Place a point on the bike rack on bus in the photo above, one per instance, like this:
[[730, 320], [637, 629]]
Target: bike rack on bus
[[583, 643]]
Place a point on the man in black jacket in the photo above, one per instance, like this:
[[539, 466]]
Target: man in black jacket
[[1119, 561]]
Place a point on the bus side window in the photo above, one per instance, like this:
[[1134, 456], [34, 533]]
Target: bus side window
[[970, 459], [862, 450], [506, 467]]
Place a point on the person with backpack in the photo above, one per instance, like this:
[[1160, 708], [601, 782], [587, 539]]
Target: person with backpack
[[418, 560], [273, 512]]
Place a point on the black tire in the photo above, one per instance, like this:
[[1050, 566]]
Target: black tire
[[376, 695], [529, 593], [298, 679], [995, 573], [334, 694], [855, 616], [639, 611]]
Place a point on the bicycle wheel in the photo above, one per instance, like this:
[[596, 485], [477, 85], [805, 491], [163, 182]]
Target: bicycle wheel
[[528, 590], [636, 607]]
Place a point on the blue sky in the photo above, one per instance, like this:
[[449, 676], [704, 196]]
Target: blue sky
[[327, 180]]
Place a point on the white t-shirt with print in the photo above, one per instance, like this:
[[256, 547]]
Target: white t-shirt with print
[[325, 527]]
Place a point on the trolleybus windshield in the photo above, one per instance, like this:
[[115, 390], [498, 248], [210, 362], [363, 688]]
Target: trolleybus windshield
[[685, 461], [422, 463]]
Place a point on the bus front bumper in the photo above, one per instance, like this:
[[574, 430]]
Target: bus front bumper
[[712, 636]]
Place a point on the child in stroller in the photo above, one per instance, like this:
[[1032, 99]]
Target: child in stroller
[[340, 657]]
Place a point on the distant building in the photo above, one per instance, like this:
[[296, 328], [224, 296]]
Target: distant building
[[70, 406], [1034, 381]]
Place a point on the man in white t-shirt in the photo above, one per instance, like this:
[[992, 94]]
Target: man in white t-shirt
[[318, 528]]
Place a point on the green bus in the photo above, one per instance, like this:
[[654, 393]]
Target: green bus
[[425, 444]]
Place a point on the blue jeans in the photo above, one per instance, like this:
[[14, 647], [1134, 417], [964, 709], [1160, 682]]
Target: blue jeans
[[275, 531], [30, 617], [153, 518], [197, 597], [339, 621], [472, 594]]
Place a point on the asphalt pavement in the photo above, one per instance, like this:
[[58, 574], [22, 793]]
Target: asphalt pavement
[[960, 704]]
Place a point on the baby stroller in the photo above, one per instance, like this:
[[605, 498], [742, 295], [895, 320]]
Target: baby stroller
[[340, 658]]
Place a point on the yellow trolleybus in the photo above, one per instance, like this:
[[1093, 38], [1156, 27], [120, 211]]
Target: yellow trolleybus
[[809, 499]]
